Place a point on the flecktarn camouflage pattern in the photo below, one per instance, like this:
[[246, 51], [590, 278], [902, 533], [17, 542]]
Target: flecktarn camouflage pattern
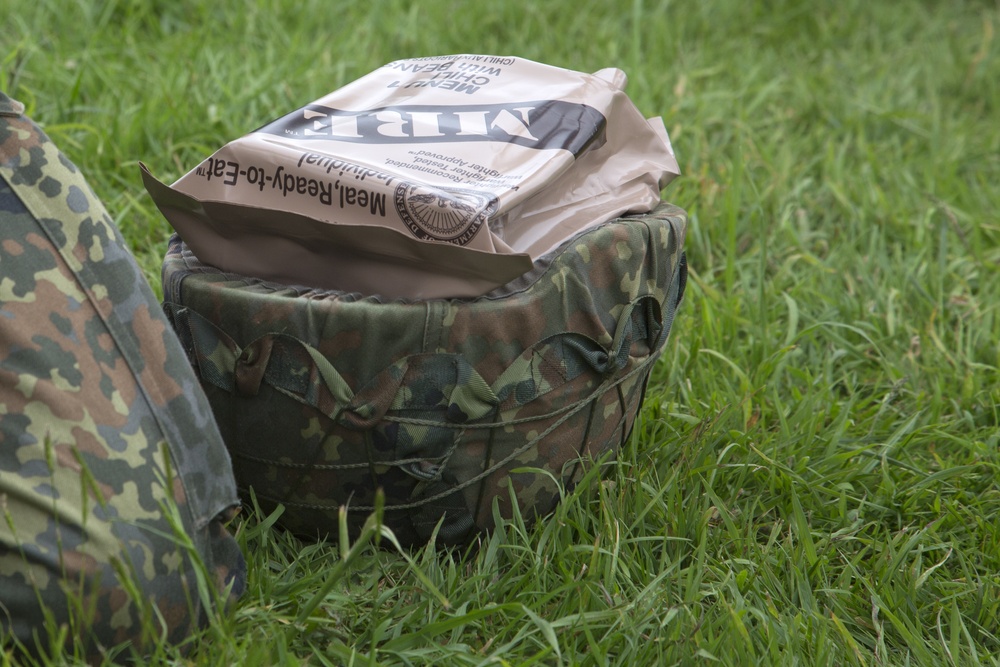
[[113, 477], [324, 397]]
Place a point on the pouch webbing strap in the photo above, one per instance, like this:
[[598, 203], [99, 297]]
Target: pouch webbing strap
[[301, 372]]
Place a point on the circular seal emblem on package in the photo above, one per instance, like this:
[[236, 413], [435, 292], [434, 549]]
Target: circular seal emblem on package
[[451, 215]]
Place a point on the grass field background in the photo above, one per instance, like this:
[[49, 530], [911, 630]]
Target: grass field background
[[815, 478]]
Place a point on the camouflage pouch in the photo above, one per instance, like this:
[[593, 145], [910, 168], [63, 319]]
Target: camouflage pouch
[[323, 397]]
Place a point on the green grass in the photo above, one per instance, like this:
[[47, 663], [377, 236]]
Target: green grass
[[815, 478]]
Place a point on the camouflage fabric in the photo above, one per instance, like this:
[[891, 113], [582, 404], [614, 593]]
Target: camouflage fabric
[[323, 397], [113, 476]]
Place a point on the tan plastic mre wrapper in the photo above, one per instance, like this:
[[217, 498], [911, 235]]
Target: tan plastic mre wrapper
[[428, 178]]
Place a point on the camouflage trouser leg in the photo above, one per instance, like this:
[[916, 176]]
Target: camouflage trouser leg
[[114, 482]]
